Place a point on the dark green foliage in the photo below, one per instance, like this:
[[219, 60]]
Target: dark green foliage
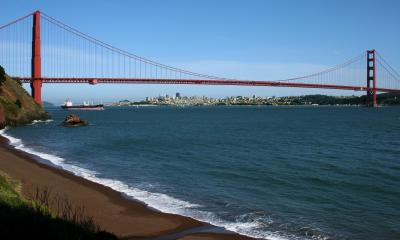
[[25, 219], [2, 75], [26, 222], [18, 103], [389, 99], [382, 99]]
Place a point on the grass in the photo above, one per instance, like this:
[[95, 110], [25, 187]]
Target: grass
[[42, 216]]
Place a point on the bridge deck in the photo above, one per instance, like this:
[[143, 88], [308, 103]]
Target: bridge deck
[[201, 82]]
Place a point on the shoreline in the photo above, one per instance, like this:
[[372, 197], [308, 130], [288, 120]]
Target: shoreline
[[125, 217]]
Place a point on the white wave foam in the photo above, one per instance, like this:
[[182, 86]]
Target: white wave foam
[[159, 201], [41, 121]]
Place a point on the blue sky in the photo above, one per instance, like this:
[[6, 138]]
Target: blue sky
[[241, 39]]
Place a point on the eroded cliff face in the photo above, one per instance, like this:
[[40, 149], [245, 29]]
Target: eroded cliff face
[[17, 107], [2, 118]]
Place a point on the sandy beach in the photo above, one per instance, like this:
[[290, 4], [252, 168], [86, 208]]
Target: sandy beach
[[126, 218]]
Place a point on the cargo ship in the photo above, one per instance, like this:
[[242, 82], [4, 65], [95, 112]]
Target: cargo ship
[[85, 106]]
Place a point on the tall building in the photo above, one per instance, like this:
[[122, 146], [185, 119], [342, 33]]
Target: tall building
[[178, 95]]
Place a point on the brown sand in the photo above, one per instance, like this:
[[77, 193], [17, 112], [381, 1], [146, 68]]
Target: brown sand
[[114, 213]]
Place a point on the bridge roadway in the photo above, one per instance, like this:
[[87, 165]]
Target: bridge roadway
[[226, 82]]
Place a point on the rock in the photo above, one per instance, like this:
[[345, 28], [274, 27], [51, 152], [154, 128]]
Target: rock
[[74, 120]]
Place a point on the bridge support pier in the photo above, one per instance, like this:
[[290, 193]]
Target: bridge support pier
[[371, 79], [36, 82]]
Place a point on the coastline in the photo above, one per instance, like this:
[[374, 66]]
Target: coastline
[[126, 218]]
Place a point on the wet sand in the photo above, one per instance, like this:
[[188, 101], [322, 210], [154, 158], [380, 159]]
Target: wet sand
[[126, 218]]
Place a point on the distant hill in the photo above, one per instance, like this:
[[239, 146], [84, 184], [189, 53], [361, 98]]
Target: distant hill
[[388, 98], [382, 99], [47, 104], [17, 107]]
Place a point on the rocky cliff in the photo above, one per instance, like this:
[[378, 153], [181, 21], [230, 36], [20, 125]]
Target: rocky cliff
[[17, 107]]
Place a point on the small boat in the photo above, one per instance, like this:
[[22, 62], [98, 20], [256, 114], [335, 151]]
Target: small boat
[[85, 106]]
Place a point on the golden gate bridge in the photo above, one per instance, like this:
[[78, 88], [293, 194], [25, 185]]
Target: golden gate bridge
[[38, 48]]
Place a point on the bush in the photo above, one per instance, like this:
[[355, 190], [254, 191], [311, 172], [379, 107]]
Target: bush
[[18, 103], [2, 75]]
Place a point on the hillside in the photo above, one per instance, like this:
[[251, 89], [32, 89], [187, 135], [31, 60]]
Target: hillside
[[383, 99], [16, 105]]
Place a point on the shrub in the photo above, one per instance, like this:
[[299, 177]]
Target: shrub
[[2, 75], [18, 103]]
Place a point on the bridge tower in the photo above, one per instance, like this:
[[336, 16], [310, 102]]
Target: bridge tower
[[36, 82], [371, 78]]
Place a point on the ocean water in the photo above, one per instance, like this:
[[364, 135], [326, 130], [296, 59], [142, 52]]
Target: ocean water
[[266, 172]]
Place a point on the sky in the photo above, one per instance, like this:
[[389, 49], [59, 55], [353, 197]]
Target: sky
[[257, 39]]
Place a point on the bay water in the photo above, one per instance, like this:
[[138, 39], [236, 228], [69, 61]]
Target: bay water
[[266, 172]]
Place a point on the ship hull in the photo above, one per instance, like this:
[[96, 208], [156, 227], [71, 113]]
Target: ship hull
[[83, 107]]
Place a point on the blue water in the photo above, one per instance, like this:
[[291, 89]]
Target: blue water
[[267, 172]]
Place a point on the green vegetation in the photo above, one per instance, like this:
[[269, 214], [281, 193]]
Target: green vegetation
[[2, 75], [19, 107], [382, 99], [18, 103], [32, 219]]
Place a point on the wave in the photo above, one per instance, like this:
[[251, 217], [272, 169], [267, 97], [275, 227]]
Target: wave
[[41, 121], [244, 224]]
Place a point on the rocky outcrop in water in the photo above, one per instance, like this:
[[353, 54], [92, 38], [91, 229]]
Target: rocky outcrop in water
[[74, 120]]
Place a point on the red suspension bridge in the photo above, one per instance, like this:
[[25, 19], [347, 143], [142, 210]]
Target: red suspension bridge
[[39, 49]]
